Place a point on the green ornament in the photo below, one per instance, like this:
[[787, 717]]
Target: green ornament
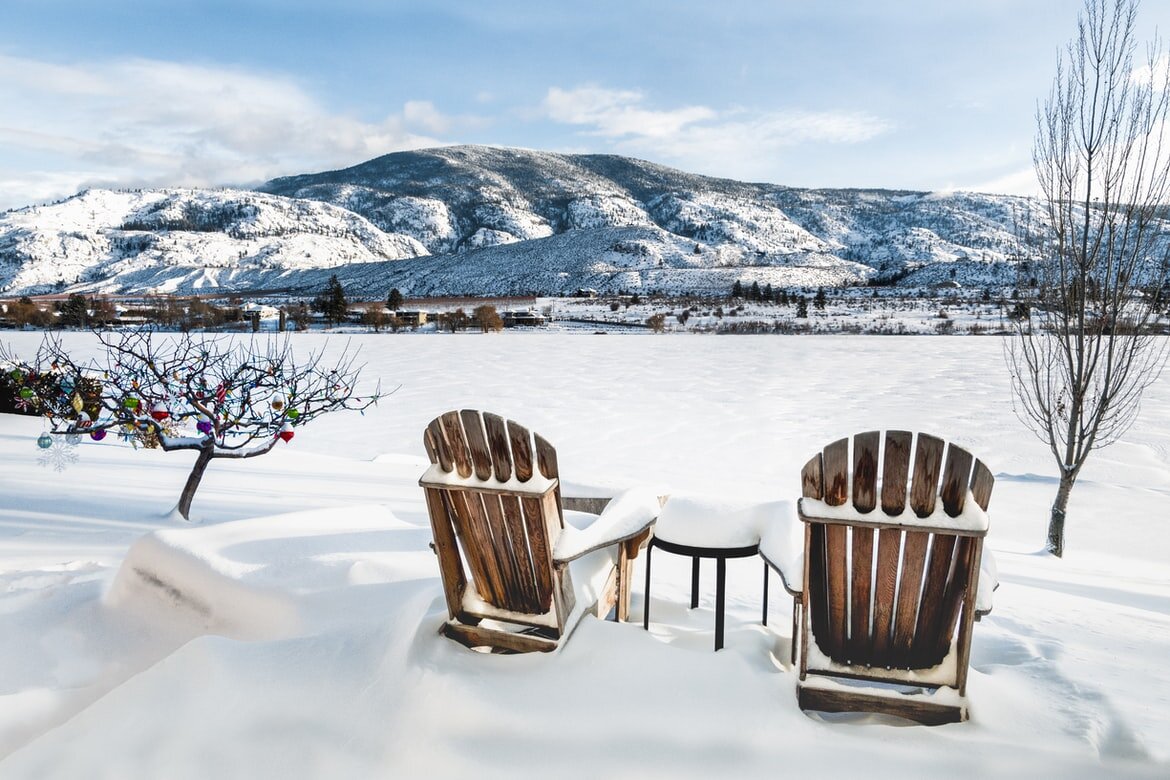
[[293, 414], [26, 392]]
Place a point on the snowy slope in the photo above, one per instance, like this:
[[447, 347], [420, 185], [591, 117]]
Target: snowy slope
[[306, 645], [182, 240]]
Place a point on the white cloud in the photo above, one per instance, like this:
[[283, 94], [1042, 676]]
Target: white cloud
[[735, 142], [1018, 182], [151, 123]]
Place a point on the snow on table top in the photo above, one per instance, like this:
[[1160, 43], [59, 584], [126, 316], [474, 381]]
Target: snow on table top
[[713, 521]]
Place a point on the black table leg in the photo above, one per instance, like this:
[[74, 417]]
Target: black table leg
[[646, 599], [694, 581], [765, 618], [720, 584]]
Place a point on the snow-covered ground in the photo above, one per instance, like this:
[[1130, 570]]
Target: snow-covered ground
[[303, 639]]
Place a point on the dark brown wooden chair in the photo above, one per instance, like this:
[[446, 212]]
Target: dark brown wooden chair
[[499, 521], [891, 576]]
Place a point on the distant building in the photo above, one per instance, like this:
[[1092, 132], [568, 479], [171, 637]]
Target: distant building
[[514, 319], [412, 319]]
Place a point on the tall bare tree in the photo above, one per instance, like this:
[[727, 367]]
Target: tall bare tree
[[1102, 157]]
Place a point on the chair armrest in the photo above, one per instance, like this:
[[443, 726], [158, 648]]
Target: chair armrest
[[988, 582], [624, 517], [782, 548]]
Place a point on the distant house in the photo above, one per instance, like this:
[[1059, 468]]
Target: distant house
[[585, 292], [265, 312], [412, 319], [514, 319]]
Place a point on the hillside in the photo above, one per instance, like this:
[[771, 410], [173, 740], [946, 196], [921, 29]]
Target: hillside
[[484, 220]]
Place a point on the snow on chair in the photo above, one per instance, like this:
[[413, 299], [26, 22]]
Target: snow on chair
[[891, 578], [505, 541]]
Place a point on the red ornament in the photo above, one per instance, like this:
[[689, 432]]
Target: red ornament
[[285, 434], [159, 413]]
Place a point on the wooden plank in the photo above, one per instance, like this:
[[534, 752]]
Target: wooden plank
[[564, 598], [476, 636], [836, 467], [860, 639], [896, 471], [956, 476], [927, 713], [817, 587], [812, 481], [885, 589], [515, 568], [837, 573], [497, 437], [521, 441], [453, 434], [546, 458], [926, 634], [909, 583], [439, 440], [956, 592], [531, 580], [967, 621], [546, 461], [927, 464], [539, 544], [478, 545], [865, 467], [481, 459], [430, 445], [447, 551], [982, 482]]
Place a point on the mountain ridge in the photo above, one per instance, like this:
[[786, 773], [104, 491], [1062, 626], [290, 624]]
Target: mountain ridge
[[487, 220]]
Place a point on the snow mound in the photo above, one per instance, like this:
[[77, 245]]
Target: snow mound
[[248, 579]]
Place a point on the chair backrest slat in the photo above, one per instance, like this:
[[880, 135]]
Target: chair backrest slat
[[521, 450], [837, 472], [931, 607], [812, 478], [481, 458], [927, 463], [497, 437], [453, 435], [955, 479], [837, 567], [896, 471], [860, 636], [884, 592], [982, 482], [865, 470], [914, 547]]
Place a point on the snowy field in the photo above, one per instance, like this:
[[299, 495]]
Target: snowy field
[[306, 645]]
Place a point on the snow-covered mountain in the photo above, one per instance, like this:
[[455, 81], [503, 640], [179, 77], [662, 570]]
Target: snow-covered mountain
[[183, 240], [485, 220]]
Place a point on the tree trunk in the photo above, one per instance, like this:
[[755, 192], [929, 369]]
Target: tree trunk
[[193, 480], [1056, 521]]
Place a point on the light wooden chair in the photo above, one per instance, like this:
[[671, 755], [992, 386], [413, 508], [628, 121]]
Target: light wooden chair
[[505, 539], [891, 575]]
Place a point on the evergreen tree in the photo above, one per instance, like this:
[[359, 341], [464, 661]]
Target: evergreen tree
[[394, 300], [332, 302], [819, 299], [754, 294], [769, 295], [737, 289], [801, 306]]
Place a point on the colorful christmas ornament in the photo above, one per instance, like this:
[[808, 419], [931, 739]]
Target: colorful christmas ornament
[[292, 414], [203, 426], [160, 413], [130, 403], [44, 441], [286, 432], [26, 392], [98, 435]]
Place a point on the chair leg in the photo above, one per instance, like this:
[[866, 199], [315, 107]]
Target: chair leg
[[646, 599], [720, 585], [694, 582]]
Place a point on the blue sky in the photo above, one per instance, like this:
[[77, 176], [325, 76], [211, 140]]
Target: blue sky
[[916, 94]]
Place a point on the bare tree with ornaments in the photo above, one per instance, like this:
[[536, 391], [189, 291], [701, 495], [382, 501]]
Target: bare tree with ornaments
[[1081, 362], [222, 397]]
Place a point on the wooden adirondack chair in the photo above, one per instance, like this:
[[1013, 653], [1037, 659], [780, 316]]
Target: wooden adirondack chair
[[891, 575], [494, 498]]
